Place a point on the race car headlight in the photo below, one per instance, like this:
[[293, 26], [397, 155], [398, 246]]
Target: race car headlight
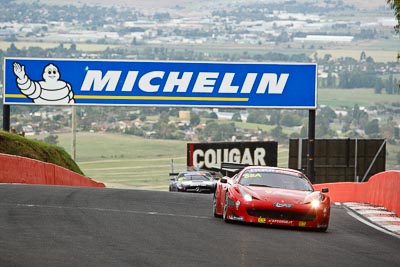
[[315, 203], [315, 200], [246, 196]]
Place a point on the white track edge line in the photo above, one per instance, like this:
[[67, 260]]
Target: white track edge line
[[379, 228]]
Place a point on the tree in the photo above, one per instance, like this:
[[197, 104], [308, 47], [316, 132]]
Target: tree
[[13, 51], [213, 115], [289, 119], [378, 86], [398, 157], [275, 117], [133, 130], [194, 119], [227, 131], [328, 113], [395, 5], [257, 116], [163, 128], [236, 117], [372, 128], [51, 139], [278, 133], [164, 117], [72, 48], [331, 80], [387, 129], [212, 131], [323, 130], [360, 117], [283, 37], [218, 132]]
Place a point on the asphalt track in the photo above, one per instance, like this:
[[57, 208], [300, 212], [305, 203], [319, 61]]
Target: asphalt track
[[77, 226]]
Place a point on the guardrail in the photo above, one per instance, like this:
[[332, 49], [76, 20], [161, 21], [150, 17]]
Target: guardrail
[[382, 189], [16, 169]]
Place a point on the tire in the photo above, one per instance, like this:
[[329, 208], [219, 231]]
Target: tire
[[225, 212], [215, 207], [322, 230]]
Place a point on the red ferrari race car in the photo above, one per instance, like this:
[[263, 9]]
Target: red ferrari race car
[[274, 196]]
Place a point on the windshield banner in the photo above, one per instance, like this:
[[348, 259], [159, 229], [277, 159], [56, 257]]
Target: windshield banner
[[159, 83]]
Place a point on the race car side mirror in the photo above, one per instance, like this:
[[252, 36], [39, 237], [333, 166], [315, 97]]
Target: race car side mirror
[[325, 190], [223, 180]]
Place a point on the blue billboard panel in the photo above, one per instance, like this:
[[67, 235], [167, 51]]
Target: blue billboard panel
[[159, 83]]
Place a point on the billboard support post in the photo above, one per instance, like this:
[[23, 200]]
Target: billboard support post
[[73, 128], [6, 118], [311, 147]]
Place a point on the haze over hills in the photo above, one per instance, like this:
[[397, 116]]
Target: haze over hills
[[150, 4], [157, 4]]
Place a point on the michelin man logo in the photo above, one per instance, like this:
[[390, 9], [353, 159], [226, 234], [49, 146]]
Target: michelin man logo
[[50, 90]]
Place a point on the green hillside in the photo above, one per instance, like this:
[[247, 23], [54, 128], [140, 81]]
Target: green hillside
[[132, 162], [126, 161], [15, 144]]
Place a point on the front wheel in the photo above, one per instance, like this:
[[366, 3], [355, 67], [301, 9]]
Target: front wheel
[[321, 230], [225, 213], [215, 207]]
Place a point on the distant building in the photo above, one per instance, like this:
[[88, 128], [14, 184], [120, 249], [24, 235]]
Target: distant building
[[325, 38], [184, 115]]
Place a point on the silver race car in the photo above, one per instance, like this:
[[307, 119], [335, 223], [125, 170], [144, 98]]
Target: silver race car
[[193, 181]]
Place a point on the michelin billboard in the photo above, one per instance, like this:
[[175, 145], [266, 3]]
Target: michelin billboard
[[32, 81]]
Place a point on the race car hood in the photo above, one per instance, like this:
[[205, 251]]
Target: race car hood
[[280, 195]]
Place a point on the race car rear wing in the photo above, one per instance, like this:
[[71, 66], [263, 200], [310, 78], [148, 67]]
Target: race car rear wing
[[226, 169], [214, 172], [230, 169]]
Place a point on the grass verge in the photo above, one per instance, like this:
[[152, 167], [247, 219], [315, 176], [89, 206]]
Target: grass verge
[[15, 144]]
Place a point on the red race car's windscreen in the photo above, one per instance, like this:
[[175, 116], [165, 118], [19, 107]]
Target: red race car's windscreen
[[274, 178]]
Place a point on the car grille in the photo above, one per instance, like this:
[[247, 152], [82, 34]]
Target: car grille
[[284, 215], [201, 187], [198, 188]]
